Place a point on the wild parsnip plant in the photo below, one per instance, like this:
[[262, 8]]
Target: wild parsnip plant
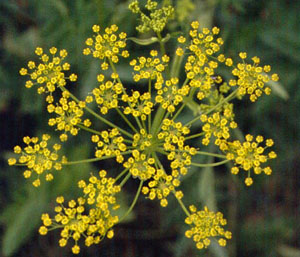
[[152, 145]]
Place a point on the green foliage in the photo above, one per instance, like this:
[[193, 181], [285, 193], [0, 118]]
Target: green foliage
[[22, 219]]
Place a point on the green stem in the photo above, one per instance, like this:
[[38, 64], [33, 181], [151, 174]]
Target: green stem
[[183, 207], [179, 111], [195, 135], [134, 201], [94, 159], [127, 141], [121, 174], [127, 121], [184, 104], [162, 151], [125, 179], [209, 164], [98, 116], [88, 129], [20, 164], [157, 119], [118, 79], [86, 160], [149, 116], [204, 153], [175, 67], [179, 200], [162, 46], [163, 51], [227, 99], [158, 162], [161, 123]]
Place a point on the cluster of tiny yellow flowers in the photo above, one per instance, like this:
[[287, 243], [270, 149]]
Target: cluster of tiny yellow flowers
[[252, 78], [250, 155], [169, 95], [140, 105], [140, 165], [202, 46], [162, 185], [69, 114], [217, 125], [90, 217], [50, 73], [38, 158], [106, 46], [157, 18], [150, 67], [204, 225], [151, 145], [106, 95], [110, 143]]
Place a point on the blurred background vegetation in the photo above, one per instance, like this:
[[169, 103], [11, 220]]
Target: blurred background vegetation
[[264, 218]]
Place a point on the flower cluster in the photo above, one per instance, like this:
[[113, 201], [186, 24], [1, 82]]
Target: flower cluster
[[217, 125], [69, 115], [138, 105], [202, 46], [150, 67], [162, 185], [89, 217], [250, 155], [204, 225], [157, 19], [251, 78], [169, 95], [38, 158], [106, 46], [106, 95], [50, 73], [110, 143], [144, 129]]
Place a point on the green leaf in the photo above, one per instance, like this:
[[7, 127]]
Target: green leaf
[[60, 6], [144, 42], [25, 218], [280, 43], [166, 38], [21, 45], [218, 250], [149, 41], [65, 181], [288, 251], [278, 89]]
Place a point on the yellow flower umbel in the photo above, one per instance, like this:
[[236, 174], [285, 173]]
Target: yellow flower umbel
[[249, 155], [144, 129], [157, 19], [150, 67], [90, 217], [49, 74], [110, 143], [162, 185], [205, 225], [38, 158], [251, 78], [69, 115], [106, 46]]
